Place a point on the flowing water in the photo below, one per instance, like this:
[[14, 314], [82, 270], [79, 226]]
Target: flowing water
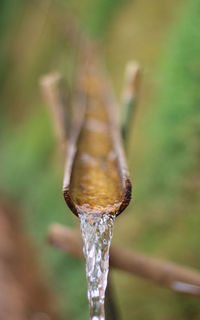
[[97, 235]]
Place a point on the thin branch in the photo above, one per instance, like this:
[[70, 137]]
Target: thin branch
[[165, 273], [52, 89], [130, 96]]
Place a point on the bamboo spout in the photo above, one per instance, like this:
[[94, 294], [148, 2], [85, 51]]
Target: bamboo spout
[[96, 177]]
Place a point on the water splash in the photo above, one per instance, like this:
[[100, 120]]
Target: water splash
[[97, 235]]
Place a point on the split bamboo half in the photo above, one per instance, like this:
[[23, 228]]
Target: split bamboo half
[[96, 178]]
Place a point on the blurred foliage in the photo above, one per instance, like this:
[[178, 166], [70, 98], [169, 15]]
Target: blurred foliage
[[167, 180], [173, 126], [166, 217], [100, 14]]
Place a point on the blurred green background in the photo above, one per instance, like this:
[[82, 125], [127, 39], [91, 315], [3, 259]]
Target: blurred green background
[[163, 151]]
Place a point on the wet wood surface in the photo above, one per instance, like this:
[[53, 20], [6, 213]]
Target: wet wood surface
[[96, 177]]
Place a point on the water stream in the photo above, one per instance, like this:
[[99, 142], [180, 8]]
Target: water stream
[[97, 235]]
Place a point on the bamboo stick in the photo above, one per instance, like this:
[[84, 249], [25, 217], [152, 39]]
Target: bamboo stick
[[112, 311], [130, 96], [52, 89], [168, 274]]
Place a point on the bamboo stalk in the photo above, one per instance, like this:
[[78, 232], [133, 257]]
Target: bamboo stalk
[[168, 274]]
